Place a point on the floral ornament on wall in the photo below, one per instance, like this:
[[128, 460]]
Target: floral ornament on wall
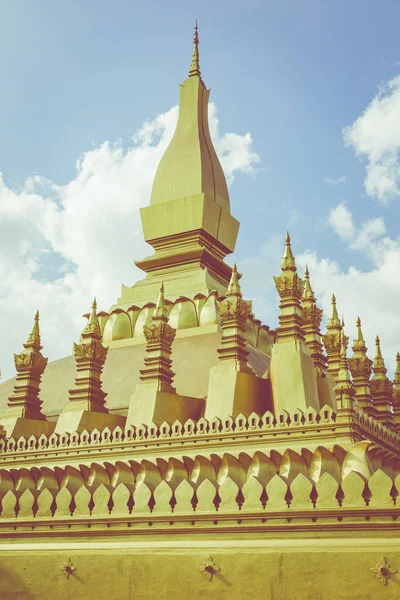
[[68, 568], [209, 568], [383, 570]]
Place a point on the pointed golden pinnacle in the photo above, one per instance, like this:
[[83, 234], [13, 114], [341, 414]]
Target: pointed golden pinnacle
[[194, 70], [234, 285]]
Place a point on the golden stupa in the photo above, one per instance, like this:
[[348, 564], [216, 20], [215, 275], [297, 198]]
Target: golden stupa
[[186, 450]]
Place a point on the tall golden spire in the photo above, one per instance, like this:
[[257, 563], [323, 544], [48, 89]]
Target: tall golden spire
[[344, 388], [194, 70], [332, 340], [234, 312], [30, 365], [290, 289], [188, 222], [159, 337], [381, 389], [396, 394], [361, 369], [90, 356], [312, 316]]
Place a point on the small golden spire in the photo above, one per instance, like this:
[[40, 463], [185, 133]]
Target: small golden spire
[[344, 388], [344, 371], [334, 321], [396, 394], [234, 285], [33, 340], [312, 316], [359, 342], [343, 354], [288, 262], [396, 378], [382, 389], [159, 337], [308, 291], [93, 315], [92, 327], [30, 365], [378, 362], [361, 368], [160, 312], [194, 70], [359, 337]]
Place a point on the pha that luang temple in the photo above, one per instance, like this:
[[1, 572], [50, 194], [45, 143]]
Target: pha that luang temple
[[185, 449]]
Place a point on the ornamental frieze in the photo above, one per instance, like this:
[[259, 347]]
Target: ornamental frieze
[[234, 308], [312, 315], [360, 367], [289, 283], [158, 332], [87, 352]]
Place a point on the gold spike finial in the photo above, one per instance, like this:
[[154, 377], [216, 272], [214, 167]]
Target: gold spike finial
[[378, 353], [288, 261], [359, 342], [194, 70], [34, 337], [160, 312], [92, 327], [308, 291], [359, 331], [93, 314], [342, 344], [397, 371], [234, 285], [334, 320]]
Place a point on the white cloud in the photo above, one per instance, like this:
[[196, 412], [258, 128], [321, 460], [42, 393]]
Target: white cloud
[[62, 245], [372, 294], [341, 219], [375, 137], [335, 180]]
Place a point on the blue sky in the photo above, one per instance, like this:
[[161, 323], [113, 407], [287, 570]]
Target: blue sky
[[292, 73]]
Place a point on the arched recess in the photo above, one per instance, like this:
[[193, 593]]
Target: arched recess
[[118, 326]]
